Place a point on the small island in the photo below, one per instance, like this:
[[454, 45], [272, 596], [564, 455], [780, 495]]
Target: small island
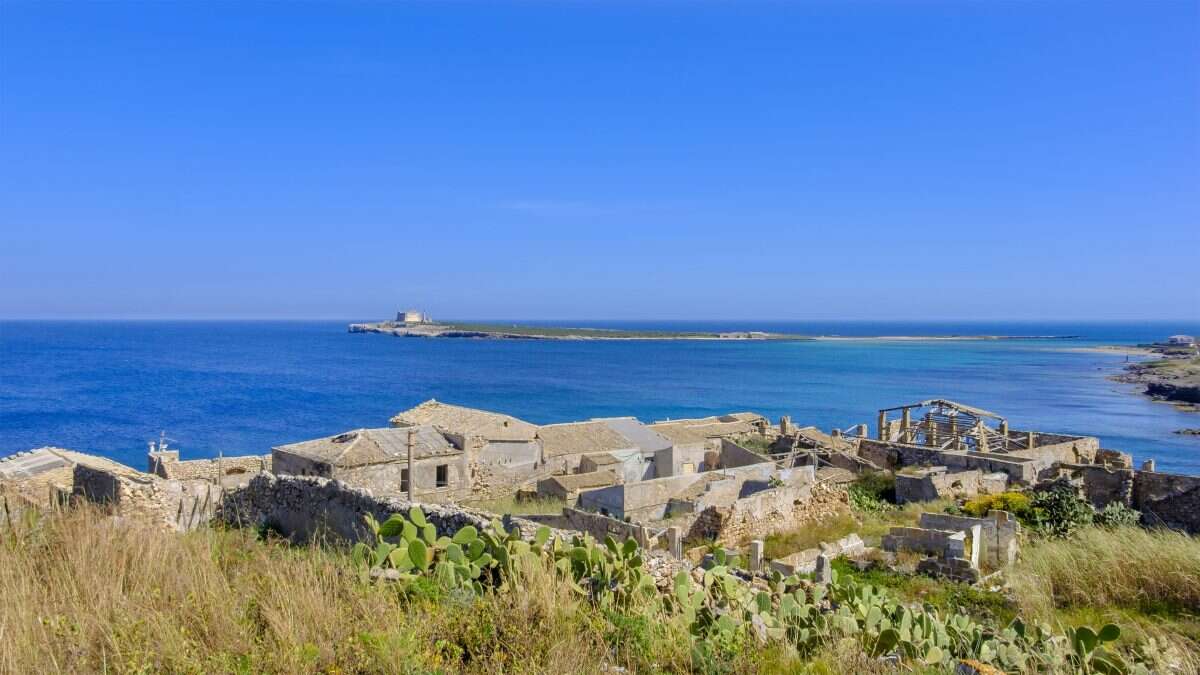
[[414, 323]]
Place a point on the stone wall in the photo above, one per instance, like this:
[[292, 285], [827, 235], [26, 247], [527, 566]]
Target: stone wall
[[891, 455], [168, 465], [769, 512], [1166, 499], [598, 526], [302, 508], [173, 503], [941, 543], [998, 537]]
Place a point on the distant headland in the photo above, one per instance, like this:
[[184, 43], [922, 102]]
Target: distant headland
[[416, 323]]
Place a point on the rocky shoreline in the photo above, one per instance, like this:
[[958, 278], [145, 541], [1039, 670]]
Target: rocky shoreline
[[1169, 375]]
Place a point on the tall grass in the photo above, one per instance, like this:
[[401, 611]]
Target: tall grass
[[1148, 570], [1148, 581], [83, 593]]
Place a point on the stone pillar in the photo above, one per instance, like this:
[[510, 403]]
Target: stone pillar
[[836, 433], [675, 541], [883, 425], [905, 423], [1029, 441], [976, 532], [862, 430], [756, 555], [954, 431], [930, 431], [1148, 465], [785, 425], [824, 571]]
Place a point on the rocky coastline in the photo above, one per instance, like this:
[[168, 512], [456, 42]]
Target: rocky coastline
[[1168, 374]]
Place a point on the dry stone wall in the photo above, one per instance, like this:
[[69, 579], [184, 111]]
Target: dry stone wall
[[769, 512], [305, 507]]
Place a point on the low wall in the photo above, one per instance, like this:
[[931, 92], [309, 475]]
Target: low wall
[[895, 455], [941, 543], [644, 500], [304, 507], [598, 526], [998, 534]]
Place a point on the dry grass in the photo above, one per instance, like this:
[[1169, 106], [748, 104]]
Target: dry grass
[[82, 594], [1147, 581]]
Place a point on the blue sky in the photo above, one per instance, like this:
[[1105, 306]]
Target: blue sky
[[962, 160]]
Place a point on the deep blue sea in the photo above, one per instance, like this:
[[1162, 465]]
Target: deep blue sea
[[243, 387]]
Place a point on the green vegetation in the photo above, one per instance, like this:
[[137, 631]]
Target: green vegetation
[[1015, 503], [756, 444], [873, 493], [85, 594], [601, 333], [810, 535]]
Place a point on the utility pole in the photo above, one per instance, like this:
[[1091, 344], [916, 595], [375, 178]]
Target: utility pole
[[412, 475]]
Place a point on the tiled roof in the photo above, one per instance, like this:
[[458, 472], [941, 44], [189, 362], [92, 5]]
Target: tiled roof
[[467, 421], [373, 446], [580, 438]]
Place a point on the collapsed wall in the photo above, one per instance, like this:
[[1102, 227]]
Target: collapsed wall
[[769, 512]]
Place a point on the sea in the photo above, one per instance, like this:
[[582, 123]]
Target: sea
[[241, 387]]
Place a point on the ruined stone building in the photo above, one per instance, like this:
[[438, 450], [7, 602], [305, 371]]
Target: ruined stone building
[[377, 460]]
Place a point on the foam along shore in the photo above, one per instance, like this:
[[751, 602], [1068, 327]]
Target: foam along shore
[[517, 331]]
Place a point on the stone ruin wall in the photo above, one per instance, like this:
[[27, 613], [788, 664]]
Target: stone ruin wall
[[168, 465], [769, 512], [1163, 498], [181, 505], [304, 507], [598, 526]]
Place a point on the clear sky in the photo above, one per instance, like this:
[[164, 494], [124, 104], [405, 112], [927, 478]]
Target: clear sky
[[848, 159]]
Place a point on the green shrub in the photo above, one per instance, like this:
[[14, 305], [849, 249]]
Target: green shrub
[[873, 493], [1059, 512], [1013, 502], [1116, 514]]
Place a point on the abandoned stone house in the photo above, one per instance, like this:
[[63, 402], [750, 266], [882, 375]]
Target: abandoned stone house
[[53, 476], [378, 460], [43, 477]]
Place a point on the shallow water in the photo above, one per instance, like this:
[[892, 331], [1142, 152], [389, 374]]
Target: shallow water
[[242, 387]]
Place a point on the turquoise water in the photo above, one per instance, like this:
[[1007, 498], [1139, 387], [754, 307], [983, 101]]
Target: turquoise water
[[242, 387]]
